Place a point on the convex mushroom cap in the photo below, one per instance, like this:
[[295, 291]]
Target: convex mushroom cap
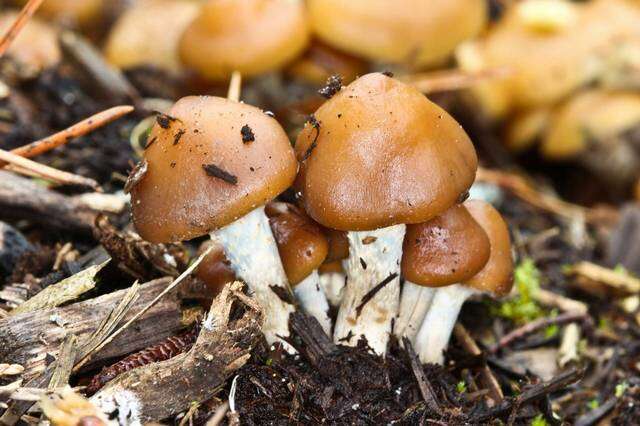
[[71, 12], [414, 32], [320, 61], [208, 162], [214, 270], [496, 277], [249, 36], [379, 153], [148, 32], [448, 249], [301, 243], [36, 46]]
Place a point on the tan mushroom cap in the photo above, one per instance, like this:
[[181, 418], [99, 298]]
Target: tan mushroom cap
[[383, 154], [448, 249], [148, 32], [36, 46], [301, 243], [249, 36], [595, 116], [497, 275], [417, 32], [214, 270], [188, 187], [71, 12]]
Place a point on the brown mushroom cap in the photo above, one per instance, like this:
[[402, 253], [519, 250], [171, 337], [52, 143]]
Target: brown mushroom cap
[[203, 173], [327, 267], [382, 154], [320, 61], [147, 33], [214, 270], [249, 36], [338, 245], [71, 12], [448, 249], [301, 243], [412, 31], [497, 275], [36, 46]]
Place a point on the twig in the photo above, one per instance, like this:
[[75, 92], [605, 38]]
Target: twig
[[27, 11], [66, 358], [568, 350], [235, 85], [455, 79], [534, 326], [169, 288], [488, 379], [534, 392], [594, 416], [79, 129], [43, 171], [423, 382], [555, 300], [219, 415], [619, 281]]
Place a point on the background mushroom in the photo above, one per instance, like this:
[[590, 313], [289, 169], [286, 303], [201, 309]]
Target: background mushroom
[[214, 270], [495, 278], [332, 276], [248, 36], [147, 33], [411, 32], [448, 249], [302, 247], [209, 167], [363, 170]]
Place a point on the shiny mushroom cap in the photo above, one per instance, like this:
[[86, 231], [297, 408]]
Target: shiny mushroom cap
[[249, 36], [379, 153], [214, 270], [497, 275], [415, 32], [448, 249], [36, 46], [320, 61], [301, 243], [338, 245], [593, 117], [208, 162], [148, 32]]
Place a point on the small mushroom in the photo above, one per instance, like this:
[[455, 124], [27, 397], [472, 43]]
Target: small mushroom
[[332, 281], [201, 177], [72, 13], [302, 247], [412, 32], [495, 278], [320, 61], [363, 170], [249, 36], [446, 250], [36, 47], [215, 270], [147, 33]]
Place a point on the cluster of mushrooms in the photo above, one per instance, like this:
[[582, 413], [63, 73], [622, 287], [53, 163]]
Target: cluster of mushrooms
[[377, 161]]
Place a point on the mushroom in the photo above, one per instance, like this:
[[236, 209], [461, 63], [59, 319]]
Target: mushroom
[[35, 47], [210, 166], [414, 32], [375, 156], [147, 33], [495, 278], [446, 250], [320, 61], [75, 13], [332, 276], [215, 270], [249, 36], [302, 247]]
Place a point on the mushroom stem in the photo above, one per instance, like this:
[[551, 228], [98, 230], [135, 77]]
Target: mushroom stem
[[252, 251], [414, 304], [438, 324], [374, 261], [235, 84], [332, 284], [313, 301]]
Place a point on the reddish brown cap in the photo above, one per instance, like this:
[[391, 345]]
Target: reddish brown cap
[[301, 243], [214, 270], [448, 249], [338, 245], [497, 275], [249, 36], [380, 153], [208, 162], [335, 266]]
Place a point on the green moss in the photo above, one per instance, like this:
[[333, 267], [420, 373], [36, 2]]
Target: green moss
[[539, 420], [461, 386], [522, 308]]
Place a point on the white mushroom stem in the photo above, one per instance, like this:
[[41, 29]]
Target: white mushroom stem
[[374, 261], [252, 251], [332, 284], [313, 301], [436, 328], [414, 304]]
